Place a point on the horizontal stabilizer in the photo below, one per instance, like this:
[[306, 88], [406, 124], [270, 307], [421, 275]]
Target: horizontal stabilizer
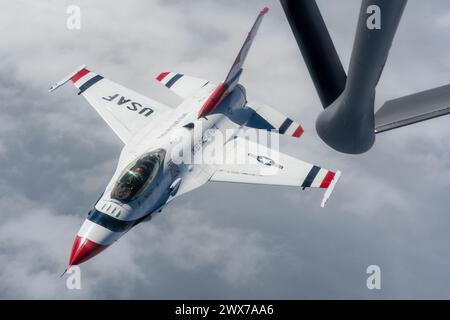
[[268, 118], [182, 85], [414, 108]]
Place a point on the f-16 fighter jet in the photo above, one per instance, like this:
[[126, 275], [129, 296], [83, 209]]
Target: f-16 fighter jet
[[155, 166]]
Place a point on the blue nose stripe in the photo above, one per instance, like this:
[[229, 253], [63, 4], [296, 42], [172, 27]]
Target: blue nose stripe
[[111, 223]]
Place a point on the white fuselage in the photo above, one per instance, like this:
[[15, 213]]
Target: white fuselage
[[181, 124]]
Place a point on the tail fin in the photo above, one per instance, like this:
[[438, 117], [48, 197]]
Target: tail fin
[[232, 78]]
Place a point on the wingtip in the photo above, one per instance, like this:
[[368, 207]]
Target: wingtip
[[330, 188], [69, 77]]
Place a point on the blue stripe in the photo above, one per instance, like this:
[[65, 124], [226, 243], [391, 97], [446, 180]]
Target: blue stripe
[[112, 223], [286, 124], [90, 83], [310, 177], [172, 81]]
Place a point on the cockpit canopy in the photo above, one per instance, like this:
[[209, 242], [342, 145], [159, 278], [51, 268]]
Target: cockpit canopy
[[138, 176]]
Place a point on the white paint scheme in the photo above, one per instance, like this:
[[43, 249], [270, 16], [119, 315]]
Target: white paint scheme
[[275, 118], [186, 86], [98, 234], [287, 171], [164, 127]]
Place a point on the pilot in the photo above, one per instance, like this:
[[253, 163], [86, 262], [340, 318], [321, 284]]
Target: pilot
[[135, 178], [123, 191], [140, 172]]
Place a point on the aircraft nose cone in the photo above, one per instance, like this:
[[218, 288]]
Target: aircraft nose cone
[[83, 249]]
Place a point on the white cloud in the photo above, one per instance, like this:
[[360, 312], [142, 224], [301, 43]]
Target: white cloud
[[222, 241]]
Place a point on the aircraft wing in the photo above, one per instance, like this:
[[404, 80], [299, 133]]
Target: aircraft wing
[[124, 110], [252, 163], [182, 85], [413, 108]]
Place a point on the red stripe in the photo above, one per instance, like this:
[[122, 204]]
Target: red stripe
[[83, 249], [162, 76], [298, 132], [214, 100], [327, 180], [80, 74]]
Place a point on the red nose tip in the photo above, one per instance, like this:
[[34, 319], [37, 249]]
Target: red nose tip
[[83, 249]]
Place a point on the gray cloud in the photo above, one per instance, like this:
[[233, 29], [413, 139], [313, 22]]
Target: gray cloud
[[223, 241]]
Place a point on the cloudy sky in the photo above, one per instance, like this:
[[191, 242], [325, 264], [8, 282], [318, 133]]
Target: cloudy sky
[[223, 241]]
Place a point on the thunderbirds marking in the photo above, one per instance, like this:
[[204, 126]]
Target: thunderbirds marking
[[147, 176]]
